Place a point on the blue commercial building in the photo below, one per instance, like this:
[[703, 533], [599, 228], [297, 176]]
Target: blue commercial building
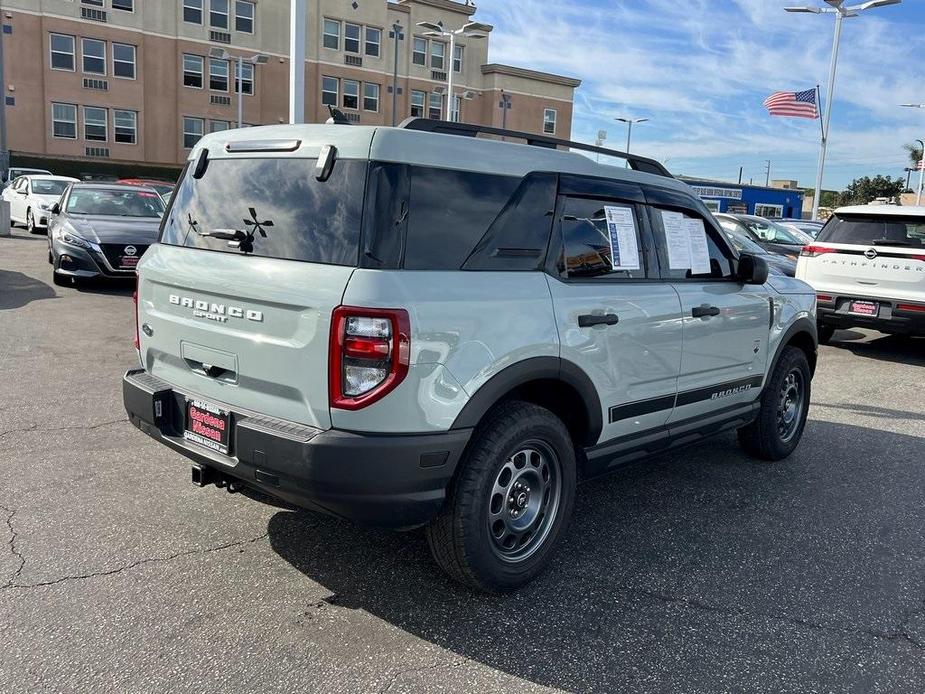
[[720, 196]]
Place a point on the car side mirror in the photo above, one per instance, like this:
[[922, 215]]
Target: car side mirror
[[55, 209], [752, 269], [23, 192]]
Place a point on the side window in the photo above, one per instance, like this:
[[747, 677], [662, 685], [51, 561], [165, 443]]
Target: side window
[[450, 212], [600, 239], [689, 247]]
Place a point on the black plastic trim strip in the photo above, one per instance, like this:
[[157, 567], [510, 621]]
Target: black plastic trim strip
[[641, 407], [688, 397]]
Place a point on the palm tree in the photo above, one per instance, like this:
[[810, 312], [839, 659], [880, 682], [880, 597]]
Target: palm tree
[[915, 154]]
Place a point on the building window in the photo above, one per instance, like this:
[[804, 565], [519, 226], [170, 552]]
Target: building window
[[125, 126], [218, 14], [454, 112], [192, 11], [329, 90], [549, 121], [371, 97], [94, 3], [216, 126], [192, 71], [435, 107], [192, 131], [352, 38], [419, 52], [457, 58], [125, 5], [437, 53], [247, 79], [418, 99], [62, 52], [218, 75], [244, 16], [93, 56], [331, 38], [64, 121], [351, 94], [95, 122], [373, 41], [123, 60], [769, 211]]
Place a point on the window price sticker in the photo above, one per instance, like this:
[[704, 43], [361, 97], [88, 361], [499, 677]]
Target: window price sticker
[[624, 248]]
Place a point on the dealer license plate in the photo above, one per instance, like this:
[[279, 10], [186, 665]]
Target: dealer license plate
[[864, 308], [208, 425]]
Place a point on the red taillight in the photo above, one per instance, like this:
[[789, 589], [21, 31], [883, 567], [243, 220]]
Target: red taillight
[[824, 298], [137, 342], [812, 250], [918, 257], [918, 308], [370, 350]]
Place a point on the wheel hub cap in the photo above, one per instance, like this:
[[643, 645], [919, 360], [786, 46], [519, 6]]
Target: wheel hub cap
[[523, 501], [790, 405]]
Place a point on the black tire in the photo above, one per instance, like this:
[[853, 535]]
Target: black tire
[[30, 222], [777, 431], [532, 445], [825, 333], [51, 258]]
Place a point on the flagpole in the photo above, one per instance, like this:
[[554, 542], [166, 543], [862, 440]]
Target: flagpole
[[828, 113]]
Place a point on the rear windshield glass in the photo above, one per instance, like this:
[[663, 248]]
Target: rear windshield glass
[[272, 208], [115, 203], [875, 231], [48, 187]]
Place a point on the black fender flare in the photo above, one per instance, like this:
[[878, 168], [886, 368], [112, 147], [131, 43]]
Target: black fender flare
[[533, 369], [803, 324]]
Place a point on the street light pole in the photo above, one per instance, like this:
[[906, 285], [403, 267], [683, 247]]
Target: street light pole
[[841, 12], [436, 30], [629, 132], [918, 197], [297, 61], [254, 60], [240, 91], [398, 36]]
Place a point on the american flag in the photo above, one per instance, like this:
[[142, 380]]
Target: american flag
[[793, 104]]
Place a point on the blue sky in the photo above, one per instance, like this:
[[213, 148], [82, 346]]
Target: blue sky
[[700, 70]]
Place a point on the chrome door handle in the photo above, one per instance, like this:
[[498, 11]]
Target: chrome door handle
[[590, 320]]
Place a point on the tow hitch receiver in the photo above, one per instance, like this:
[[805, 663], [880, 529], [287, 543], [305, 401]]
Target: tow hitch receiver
[[203, 476]]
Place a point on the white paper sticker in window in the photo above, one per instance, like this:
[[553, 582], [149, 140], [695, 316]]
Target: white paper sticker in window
[[700, 252], [621, 227], [677, 239]]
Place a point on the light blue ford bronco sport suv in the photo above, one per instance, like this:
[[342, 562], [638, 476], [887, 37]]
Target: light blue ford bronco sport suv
[[426, 326]]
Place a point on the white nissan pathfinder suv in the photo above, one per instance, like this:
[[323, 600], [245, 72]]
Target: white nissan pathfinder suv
[[867, 266]]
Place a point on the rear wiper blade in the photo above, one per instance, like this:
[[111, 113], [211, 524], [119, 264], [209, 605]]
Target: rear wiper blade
[[225, 234]]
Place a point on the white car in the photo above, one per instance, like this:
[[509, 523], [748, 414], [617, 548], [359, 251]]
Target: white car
[[32, 197], [867, 266]]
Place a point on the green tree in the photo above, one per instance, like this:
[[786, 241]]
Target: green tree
[[915, 154], [867, 189]]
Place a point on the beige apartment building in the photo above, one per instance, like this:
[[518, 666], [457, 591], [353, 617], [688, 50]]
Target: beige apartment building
[[113, 85]]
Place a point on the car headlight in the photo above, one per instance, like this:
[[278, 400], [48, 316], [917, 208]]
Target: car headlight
[[75, 240], [44, 206]]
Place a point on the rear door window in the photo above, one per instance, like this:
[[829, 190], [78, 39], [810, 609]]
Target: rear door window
[[904, 232], [272, 208]]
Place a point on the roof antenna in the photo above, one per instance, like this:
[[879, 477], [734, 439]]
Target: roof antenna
[[337, 117]]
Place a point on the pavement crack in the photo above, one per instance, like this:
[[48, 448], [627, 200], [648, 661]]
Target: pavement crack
[[898, 634], [395, 676], [12, 545], [85, 427], [135, 564]]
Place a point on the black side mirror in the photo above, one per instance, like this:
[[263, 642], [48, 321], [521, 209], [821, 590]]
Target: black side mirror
[[752, 269], [55, 209]]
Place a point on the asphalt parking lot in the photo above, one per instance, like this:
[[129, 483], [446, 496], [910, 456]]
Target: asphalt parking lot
[[695, 571]]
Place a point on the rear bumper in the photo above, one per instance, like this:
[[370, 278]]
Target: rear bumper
[[387, 481], [889, 318]]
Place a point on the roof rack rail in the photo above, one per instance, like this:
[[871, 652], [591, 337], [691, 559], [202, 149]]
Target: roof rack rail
[[429, 125]]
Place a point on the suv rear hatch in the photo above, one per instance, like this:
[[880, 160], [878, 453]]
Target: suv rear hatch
[[868, 255], [235, 301]]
